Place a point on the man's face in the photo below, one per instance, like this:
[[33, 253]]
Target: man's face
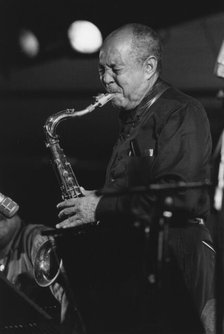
[[121, 74]]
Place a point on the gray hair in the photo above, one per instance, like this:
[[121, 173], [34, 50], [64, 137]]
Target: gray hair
[[145, 42]]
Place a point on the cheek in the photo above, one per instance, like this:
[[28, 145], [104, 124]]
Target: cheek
[[128, 84], [130, 88], [135, 84], [124, 84]]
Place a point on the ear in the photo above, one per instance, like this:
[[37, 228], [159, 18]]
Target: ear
[[150, 65]]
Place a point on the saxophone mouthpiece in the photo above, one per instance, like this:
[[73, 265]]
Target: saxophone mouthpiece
[[102, 99]]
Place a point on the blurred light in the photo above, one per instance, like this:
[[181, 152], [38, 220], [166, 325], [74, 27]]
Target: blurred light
[[28, 43], [84, 37], [219, 66]]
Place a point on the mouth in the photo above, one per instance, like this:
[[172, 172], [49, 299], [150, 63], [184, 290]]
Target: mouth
[[115, 94], [112, 91]]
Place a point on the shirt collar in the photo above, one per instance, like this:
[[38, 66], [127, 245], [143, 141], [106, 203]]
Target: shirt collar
[[131, 116]]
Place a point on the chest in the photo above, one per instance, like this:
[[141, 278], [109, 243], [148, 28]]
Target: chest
[[133, 155]]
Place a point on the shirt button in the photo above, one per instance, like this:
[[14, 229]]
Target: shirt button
[[112, 180]]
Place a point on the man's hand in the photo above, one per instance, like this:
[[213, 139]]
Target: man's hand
[[79, 210]]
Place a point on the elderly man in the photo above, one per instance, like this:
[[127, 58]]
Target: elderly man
[[164, 139]]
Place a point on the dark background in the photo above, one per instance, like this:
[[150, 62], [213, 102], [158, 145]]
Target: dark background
[[33, 89]]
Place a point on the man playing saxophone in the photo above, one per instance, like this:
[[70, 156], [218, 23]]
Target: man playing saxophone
[[164, 138]]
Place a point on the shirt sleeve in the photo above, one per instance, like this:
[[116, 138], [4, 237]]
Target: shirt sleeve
[[184, 151]]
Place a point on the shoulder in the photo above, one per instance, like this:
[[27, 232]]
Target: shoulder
[[175, 100], [181, 109]]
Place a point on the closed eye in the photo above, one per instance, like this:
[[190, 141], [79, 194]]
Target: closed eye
[[101, 70]]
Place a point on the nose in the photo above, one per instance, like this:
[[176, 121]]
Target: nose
[[107, 78]]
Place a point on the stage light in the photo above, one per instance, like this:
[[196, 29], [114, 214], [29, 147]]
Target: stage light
[[84, 37], [219, 66], [28, 43]]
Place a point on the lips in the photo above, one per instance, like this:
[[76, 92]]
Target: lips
[[112, 92]]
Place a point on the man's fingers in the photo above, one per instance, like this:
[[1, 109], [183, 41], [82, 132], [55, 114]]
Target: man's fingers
[[66, 203], [69, 222], [67, 212]]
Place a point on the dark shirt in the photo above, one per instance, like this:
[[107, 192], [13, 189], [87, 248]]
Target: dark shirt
[[166, 142], [163, 143]]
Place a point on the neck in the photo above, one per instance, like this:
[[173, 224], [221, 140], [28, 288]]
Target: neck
[[152, 81]]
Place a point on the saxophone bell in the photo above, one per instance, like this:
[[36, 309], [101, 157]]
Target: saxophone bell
[[47, 265]]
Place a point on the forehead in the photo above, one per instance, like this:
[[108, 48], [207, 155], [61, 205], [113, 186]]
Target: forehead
[[115, 49]]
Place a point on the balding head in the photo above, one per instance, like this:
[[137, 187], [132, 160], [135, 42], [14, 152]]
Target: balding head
[[141, 40]]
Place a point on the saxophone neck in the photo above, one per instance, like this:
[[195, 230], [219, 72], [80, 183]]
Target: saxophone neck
[[53, 121]]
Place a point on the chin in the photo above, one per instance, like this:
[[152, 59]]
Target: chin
[[118, 102], [116, 105]]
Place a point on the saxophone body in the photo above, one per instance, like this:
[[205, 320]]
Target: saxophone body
[[68, 182], [44, 273], [66, 178]]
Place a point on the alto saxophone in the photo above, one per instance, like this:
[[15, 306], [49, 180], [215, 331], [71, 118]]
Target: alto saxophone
[[44, 272]]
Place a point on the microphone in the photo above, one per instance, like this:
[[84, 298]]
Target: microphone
[[7, 206]]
